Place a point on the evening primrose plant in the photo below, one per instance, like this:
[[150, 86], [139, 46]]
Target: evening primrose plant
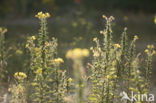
[[49, 81], [18, 90], [116, 67]]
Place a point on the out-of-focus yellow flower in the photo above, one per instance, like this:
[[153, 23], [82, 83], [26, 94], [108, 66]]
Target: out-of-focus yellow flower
[[47, 15], [9, 89], [27, 45], [33, 38], [70, 80], [136, 37], [117, 45], [95, 39], [148, 46], [53, 38], [146, 51], [38, 71], [152, 46], [105, 17], [42, 15], [155, 19], [108, 76], [77, 53], [59, 60], [112, 18], [91, 48], [20, 75], [153, 53], [101, 32]]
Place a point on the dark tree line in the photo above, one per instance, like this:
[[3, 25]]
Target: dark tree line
[[27, 7]]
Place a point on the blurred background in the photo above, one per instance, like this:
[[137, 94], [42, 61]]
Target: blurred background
[[74, 23]]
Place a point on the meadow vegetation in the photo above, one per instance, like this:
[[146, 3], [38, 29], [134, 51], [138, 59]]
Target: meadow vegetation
[[115, 67]]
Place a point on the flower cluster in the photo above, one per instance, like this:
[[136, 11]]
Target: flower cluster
[[150, 50], [20, 75], [42, 15]]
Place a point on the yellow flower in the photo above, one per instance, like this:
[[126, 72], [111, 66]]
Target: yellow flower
[[101, 32], [69, 54], [108, 76], [146, 51], [148, 46], [27, 45], [70, 80], [155, 19], [33, 38], [104, 16], [112, 18], [117, 45], [77, 53], [91, 48], [47, 44], [152, 46], [95, 39], [53, 38], [153, 52], [99, 49], [136, 37], [59, 60], [20, 75], [9, 89], [47, 15], [38, 71]]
